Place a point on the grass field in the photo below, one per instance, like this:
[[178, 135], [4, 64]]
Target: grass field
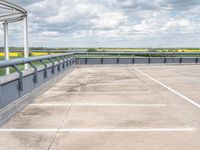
[[14, 55]]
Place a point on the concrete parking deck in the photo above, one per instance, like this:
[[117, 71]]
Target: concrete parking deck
[[112, 107]]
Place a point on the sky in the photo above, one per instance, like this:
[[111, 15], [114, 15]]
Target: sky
[[108, 23]]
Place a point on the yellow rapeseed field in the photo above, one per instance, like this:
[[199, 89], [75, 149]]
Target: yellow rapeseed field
[[11, 54], [188, 50], [20, 54], [39, 53]]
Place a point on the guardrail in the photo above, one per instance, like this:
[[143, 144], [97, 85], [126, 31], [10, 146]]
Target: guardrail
[[16, 85], [136, 52], [136, 57]]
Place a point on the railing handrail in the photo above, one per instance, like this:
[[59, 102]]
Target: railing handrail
[[18, 61], [132, 53]]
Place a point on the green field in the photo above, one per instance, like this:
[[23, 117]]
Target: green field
[[2, 71]]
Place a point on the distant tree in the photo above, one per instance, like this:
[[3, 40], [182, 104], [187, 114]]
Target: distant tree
[[152, 50], [92, 50], [49, 52]]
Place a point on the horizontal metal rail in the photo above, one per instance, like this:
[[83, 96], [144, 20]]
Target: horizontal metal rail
[[132, 53], [85, 52], [9, 6], [162, 57], [9, 63], [16, 13], [10, 17]]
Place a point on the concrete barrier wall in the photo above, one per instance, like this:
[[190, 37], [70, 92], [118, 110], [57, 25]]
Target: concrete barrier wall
[[137, 60]]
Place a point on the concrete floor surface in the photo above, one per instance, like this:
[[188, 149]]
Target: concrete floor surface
[[112, 107]]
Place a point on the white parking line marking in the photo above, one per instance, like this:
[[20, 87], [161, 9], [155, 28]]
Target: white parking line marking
[[102, 130], [98, 104], [103, 84], [62, 92], [172, 90]]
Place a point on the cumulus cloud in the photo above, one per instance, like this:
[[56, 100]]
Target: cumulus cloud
[[127, 23], [109, 20]]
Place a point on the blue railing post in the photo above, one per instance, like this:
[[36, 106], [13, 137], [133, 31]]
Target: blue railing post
[[58, 64], [63, 65], [45, 68], [20, 85], [53, 66], [0, 94], [35, 71]]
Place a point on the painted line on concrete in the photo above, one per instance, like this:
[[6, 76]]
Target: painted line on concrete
[[172, 90], [102, 130], [136, 92], [98, 104]]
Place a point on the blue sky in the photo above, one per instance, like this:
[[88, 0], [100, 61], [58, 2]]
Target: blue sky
[[109, 23]]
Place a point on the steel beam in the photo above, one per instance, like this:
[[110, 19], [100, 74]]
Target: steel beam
[[6, 8], [10, 16], [14, 20], [15, 13], [12, 6], [26, 49], [6, 47]]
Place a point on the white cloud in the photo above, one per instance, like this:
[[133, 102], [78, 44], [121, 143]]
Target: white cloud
[[87, 22], [49, 33], [73, 11], [178, 23], [109, 20], [180, 26]]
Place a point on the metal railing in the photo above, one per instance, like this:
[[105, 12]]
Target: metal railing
[[136, 53], [16, 85], [10, 63], [136, 57], [15, 13]]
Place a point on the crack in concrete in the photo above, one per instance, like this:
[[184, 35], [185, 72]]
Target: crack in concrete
[[66, 115]]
